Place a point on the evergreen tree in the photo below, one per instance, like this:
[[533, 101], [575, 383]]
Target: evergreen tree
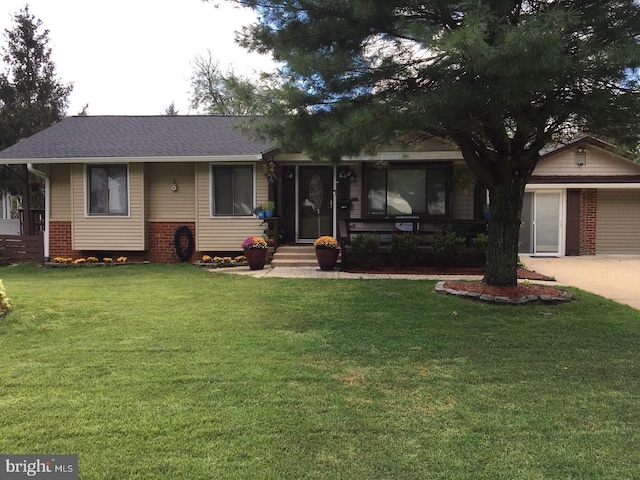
[[499, 78], [171, 110], [31, 96]]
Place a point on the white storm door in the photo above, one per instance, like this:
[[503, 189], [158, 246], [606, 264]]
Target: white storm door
[[542, 223]]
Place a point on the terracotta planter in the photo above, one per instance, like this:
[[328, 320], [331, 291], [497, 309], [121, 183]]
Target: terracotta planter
[[256, 257], [327, 258]]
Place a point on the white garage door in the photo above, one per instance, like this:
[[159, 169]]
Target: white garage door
[[618, 222]]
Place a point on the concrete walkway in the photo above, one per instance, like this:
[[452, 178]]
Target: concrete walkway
[[315, 272], [611, 276]]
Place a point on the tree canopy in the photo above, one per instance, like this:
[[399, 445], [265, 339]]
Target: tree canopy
[[31, 96], [499, 78], [215, 92]]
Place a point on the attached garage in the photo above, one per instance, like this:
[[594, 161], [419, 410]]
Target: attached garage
[[618, 222]]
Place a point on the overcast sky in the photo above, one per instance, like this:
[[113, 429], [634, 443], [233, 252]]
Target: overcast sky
[[134, 57]]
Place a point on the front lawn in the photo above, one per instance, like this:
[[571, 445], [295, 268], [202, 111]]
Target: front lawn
[[170, 372]]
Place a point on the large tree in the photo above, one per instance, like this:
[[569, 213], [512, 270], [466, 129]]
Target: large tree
[[215, 92], [499, 78], [31, 96]]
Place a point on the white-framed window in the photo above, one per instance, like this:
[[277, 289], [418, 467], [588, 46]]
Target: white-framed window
[[232, 190], [108, 190]]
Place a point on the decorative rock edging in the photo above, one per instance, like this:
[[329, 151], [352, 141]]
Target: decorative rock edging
[[90, 264], [565, 296], [232, 263]]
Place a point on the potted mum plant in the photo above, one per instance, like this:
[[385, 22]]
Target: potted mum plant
[[326, 252], [255, 251]]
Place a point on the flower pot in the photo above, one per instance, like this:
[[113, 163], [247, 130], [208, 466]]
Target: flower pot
[[268, 213], [327, 258], [256, 257]]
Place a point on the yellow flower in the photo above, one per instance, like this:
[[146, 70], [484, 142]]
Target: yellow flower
[[326, 241], [206, 258], [92, 259], [78, 261], [121, 259], [107, 259]]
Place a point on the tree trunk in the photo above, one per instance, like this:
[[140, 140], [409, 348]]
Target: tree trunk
[[504, 231]]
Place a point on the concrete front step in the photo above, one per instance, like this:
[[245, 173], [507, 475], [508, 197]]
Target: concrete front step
[[295, 256]]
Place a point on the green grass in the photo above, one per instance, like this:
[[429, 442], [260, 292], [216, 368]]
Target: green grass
[[169, 372]]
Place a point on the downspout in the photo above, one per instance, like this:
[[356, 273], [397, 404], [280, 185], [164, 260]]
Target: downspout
[[47, 205]]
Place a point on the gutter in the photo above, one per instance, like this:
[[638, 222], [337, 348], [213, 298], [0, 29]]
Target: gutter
[[47, 205]]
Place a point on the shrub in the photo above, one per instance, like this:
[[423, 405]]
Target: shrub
[[404, 249], [365, 246], [447, 246], [5, 302], [479, 248]]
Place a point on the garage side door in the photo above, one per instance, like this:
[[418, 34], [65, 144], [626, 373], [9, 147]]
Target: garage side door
[[618, 222]]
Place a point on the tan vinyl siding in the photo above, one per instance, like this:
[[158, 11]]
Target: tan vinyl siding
[[224, 233], [462, 199], [60, 197], [598, 162], [165, 205], [618, 222], [356, 190], [462, 204], [108, 232]]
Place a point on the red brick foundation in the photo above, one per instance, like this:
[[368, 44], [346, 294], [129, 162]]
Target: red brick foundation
[[588, 211], [160, 241], [60, 240], [160, 244]]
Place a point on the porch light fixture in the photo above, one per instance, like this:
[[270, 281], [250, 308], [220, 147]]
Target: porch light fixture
[[581, 157], [174, 187]]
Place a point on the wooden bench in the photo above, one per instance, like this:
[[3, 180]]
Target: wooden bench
[[384, 228]]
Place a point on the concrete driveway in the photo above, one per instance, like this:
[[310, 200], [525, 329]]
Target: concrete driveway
[[611, 276]]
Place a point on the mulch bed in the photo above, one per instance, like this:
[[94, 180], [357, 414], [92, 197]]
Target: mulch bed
[[520, 293]]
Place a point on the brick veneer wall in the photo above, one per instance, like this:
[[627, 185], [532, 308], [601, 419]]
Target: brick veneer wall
[[588, 211], [160, 244], [160, 241], [60, 240]]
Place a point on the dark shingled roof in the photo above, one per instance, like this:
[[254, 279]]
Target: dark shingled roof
[[138, 136]]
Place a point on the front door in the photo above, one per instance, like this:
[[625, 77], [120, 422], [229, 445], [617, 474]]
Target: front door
[[315, 205], [541, 223]]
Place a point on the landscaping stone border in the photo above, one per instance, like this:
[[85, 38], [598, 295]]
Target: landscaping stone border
[[565, 296], [90, 264], [232, 263]]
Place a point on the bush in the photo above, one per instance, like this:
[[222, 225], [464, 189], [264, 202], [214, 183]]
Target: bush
[[5, 302], [365, 246], [447, 247], [404, 249], [479, 247]]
